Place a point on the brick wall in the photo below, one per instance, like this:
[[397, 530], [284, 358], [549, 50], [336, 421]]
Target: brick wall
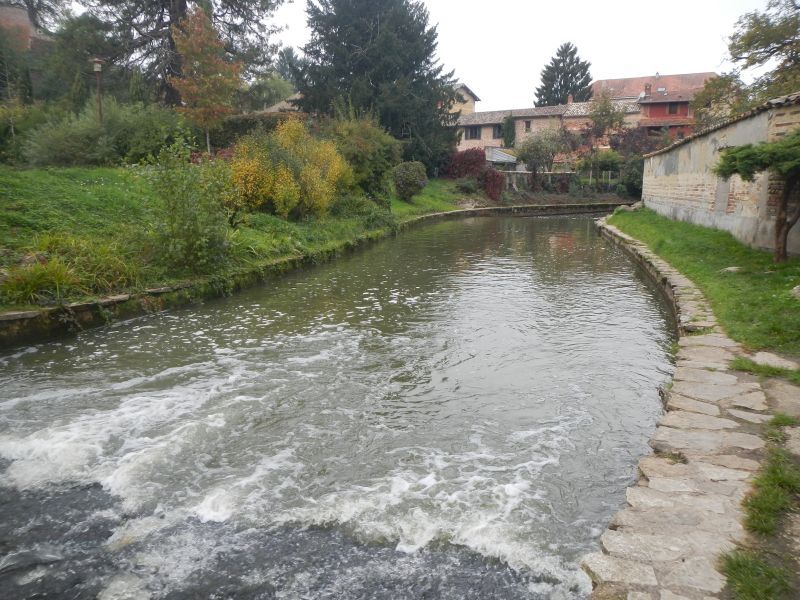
[[679, 183]]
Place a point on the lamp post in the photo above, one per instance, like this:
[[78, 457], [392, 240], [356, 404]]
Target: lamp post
[[97, 64]]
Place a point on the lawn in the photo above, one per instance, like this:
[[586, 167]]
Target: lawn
[[753, 304]]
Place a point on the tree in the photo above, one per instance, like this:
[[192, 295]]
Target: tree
[[782, 158], [566, 74], [43, 14], [263, 92], [605, 114], [770, 37], [145, 29], [289, 65], [379, 56], [209, 78], [509, 132], [539, 151], [721, 98]]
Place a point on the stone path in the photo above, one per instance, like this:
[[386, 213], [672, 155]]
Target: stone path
[[685, 510]]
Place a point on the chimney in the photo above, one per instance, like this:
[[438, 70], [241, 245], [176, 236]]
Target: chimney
[[569, 99], [648, 88]]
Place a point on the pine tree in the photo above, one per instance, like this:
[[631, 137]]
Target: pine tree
[[566, 74], [379, 56]]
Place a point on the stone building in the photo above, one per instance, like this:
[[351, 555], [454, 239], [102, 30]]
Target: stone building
[[679, 183]]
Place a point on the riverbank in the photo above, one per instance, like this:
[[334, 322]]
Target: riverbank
[[99, 223], [716, 506]]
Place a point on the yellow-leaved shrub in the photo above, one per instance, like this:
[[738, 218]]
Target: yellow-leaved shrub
[[290, 172]]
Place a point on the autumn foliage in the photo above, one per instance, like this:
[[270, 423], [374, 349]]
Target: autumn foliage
[[209, 78], [287, 172]]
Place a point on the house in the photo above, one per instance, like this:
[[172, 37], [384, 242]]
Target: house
[[465, 99], [665, 100], [485, 129], [658, 103]]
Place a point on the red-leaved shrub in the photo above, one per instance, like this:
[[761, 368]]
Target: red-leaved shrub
[[468, 163], [493, 183]]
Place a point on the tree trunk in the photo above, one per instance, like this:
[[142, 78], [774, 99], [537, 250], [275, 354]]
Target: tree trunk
[[783, 220], [208, 142]]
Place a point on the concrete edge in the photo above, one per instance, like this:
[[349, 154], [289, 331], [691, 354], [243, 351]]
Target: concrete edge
[[51, 322], [685, 510]]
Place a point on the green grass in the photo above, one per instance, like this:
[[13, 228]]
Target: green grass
[[439, 195], [77, 233], [749, 366], [754, 305], [752, 578]]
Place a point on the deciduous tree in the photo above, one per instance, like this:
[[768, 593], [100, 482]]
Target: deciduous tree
[[565, 74], [379, 56], [605, 114], [539, 151], [209, 78], [721, 98], [782, 158], [770, 37]]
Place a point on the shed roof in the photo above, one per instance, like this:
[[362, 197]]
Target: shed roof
[[496, 155]]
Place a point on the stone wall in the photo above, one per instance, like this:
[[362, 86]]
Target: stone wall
[[679, 183]]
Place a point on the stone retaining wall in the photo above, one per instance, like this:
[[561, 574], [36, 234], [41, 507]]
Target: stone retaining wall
[[21, 327], [685, 510]]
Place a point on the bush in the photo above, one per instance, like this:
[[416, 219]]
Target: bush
[[17, 121], [467, 185], [632, 176], [493, 183], [192, 228], [287, 172], [409, 179], [468, 163], [363, 209], [607, 160], [128, 133], [237, 126], [370, 151]]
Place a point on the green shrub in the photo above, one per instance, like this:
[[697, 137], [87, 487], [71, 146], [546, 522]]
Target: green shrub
[[370, 151], [16, 123], [41, 282], [193, 224], [632, 176], [236, 126], [607, 160], [127, 133], [467, 185], [409, 179], [360, 207]]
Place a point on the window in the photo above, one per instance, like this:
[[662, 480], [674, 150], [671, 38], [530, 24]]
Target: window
[[497, 131], [680, 135], [672, 108], [527, 126], [472, 133]]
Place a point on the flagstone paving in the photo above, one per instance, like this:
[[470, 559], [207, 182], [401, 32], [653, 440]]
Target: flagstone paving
[[685, 510]]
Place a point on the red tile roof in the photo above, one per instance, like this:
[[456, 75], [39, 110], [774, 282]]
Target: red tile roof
[[631, 87]]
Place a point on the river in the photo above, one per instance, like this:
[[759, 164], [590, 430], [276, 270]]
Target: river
[[452, 413]]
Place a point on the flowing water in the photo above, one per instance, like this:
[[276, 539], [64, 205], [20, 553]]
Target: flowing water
[[453, 413]]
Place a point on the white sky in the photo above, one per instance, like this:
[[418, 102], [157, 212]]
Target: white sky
[[498, 47]]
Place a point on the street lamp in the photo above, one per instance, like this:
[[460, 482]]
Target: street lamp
[[97, 65]]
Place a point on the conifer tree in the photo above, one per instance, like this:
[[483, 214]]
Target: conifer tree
[[379, 56], [566, 74]]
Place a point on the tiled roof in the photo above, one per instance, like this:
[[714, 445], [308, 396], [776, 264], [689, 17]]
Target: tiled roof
[[583, 109], [676, 96], [495, 117], [789, 100], [460, 85], [631, 87]]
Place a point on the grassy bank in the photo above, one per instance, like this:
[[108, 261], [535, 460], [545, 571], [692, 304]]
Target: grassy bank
[[754, 304], [91, 232]]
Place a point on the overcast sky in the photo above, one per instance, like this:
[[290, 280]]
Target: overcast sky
[[498, 47]]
